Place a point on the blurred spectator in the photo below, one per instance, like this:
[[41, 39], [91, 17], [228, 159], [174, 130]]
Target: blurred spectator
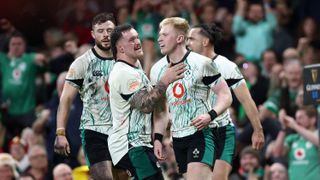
[[226, 46], [250, 167], [269, 59], [290, 53], [18, 150], [8, 167], [31, 138], [146, 21], [46, 126], [282, 37], [79, 21], [285, 96], [6, 29], [53, 38], [62, 172], [18, 71], [208, 14], [276, 171], [301, 149], [38, 162], [253, 29]]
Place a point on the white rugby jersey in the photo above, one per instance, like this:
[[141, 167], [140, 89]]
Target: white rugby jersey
[[231, 73], [89, 73], [188, 97], [131, 127]]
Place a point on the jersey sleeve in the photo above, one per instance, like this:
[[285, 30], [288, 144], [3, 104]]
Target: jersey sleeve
[[129, 85], [231, 73], [76, 73], [211, 76]]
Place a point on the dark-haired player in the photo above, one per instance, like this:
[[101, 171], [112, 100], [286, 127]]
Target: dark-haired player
[[202, 39], [88, 75]]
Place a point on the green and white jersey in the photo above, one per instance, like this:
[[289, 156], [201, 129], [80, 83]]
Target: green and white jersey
[[231, 73], [131, 127], [188, 97], [89, 73], [304, 162]]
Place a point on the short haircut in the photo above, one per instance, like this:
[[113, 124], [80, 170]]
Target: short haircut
[[309, 110], [116, 35], [17, 34], [211, 31], [177, 22], [102, 18]]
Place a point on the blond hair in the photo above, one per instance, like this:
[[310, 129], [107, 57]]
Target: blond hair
[[178, 23]]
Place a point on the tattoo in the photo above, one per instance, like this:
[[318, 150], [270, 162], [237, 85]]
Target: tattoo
[[146, 101]]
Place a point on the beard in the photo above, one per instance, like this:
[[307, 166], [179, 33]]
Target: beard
[[100, 46]]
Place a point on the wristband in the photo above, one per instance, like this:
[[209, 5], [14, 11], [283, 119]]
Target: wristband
[[213, 114], [158, 136], [60, 132]]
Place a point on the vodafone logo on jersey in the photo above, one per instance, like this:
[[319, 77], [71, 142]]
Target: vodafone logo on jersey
[[106, 87], [178, 90], [299, 154]]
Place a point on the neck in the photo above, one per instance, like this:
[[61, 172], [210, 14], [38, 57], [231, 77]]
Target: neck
[[177, 54], [127, 59], [105, 54], [209, 52]]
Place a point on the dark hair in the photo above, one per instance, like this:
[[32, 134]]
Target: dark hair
[[116, 35], [103, 17], [17, 34], [211, 31]]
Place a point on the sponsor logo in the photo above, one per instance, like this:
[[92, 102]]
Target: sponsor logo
[[177, 103], [133, 85], [299, 154], [314, 75], [178, 90], [106, 87]]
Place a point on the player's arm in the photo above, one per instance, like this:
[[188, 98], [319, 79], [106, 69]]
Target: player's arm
[[146, 100], [224, 98], [160, 122], [243, 95]]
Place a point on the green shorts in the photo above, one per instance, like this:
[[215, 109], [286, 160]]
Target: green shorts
[[225, 143], [141, 163]]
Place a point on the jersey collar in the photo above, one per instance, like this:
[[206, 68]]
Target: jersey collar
[[125, 62], [100, 57], [184, 57]]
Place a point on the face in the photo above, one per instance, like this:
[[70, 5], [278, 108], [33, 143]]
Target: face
[[269, 59], [309, 27], [303, 120], [17, 151], [130, 44], [168, 39], [195, 40], [38, 158], [278, 172], [255, 13], [65, 173], [293, 73], [17, 46], [248, 161], [208, 15], [101, 34]]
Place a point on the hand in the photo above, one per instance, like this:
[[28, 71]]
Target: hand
[[290, 122], [201, 121], [61, 146], [157, 149], [282, 116], [173, 73], [257, 139]]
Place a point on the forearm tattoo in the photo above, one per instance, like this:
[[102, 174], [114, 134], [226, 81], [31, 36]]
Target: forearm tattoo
[[146, 101]]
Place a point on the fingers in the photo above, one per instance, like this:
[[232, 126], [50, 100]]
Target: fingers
[[197, 123]]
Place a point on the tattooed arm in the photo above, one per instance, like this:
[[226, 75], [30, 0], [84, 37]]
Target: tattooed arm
[[146, 101]]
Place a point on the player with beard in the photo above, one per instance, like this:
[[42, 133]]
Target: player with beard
[[88, 75], [132, 100]]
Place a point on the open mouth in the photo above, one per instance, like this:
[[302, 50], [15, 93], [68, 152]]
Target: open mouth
[[137, 47]]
